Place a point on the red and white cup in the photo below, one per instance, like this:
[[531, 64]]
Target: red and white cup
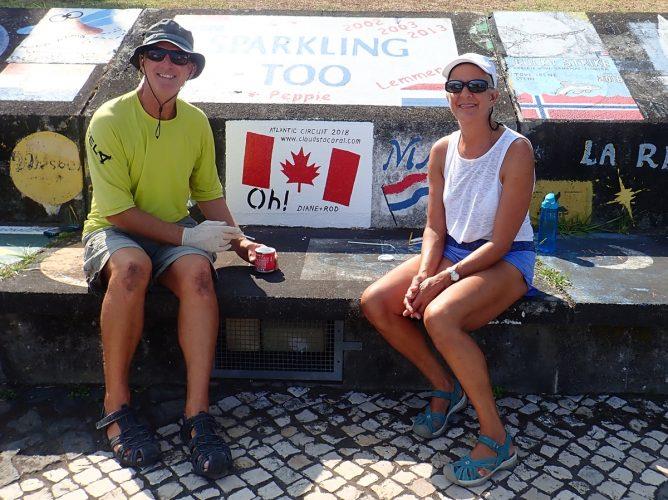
[[265, 259]]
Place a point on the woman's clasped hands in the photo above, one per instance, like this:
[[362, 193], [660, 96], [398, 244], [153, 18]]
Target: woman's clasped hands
[[421, 292]]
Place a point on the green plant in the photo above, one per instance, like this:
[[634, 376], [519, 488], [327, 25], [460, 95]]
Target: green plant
[[575, 225], [9, 270], [7, 394], [498, 391], [79, 392], [552, 276], [30, 257]]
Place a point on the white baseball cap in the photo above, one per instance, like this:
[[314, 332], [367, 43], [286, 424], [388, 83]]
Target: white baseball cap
[[484, 63]]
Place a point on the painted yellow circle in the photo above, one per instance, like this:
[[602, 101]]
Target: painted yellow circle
[[45, 167]]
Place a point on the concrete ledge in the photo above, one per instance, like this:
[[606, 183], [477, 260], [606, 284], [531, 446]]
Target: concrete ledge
[[595, 339]]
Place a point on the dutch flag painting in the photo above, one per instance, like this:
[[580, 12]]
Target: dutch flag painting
[[406, 192]]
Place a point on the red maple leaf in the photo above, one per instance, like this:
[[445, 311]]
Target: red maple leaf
[[300, 172]]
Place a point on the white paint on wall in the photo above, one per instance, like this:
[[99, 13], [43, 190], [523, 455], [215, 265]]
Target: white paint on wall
[[75, 36], [378, 61], [43, 82], [299, 173]]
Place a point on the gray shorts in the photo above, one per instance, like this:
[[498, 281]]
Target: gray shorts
[[101, 244]]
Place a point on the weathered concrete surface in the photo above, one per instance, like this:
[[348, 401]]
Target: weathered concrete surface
[[20, 119], [612, 169], [627, 39], [321, 277], [311, 442]]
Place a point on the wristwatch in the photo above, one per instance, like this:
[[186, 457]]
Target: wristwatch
[[454, 275]]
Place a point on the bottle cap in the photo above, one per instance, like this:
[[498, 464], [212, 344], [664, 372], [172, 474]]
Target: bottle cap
[[550, 201]]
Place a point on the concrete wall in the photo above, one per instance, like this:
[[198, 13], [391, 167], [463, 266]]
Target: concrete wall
[[47, 349], [589, 90]]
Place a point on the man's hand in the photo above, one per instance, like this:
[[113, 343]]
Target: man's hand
[[246, 249], [211, 236]]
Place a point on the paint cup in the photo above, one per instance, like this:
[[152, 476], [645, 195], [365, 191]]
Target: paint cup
[[265, 259]]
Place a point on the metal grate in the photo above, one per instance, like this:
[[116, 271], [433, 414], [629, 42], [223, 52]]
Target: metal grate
[[297, 349]]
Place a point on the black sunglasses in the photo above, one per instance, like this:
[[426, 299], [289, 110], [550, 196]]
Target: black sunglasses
[[178, 57], [474, 86]]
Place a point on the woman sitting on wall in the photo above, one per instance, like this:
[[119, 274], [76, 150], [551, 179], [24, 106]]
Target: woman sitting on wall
[[477, 259]]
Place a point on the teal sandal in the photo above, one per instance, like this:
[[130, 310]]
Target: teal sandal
[[464, 471], [432, 424]]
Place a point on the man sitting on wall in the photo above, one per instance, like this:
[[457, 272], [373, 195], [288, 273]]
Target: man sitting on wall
[[149, 153]]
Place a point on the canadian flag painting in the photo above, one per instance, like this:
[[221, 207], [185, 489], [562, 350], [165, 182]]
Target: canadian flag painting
[[299, 173]]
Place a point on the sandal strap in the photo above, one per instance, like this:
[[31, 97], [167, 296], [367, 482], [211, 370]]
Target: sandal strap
[[135, 444], [428, 417], [205, 446], [466, 468], [452, 396], [115, 416], [203, 423], [501, 449]]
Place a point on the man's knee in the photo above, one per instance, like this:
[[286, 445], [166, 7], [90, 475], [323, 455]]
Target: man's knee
[[195, 278], [131, 272]]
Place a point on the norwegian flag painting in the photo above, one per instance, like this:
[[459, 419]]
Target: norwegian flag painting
[[565, 107], [298, 173]]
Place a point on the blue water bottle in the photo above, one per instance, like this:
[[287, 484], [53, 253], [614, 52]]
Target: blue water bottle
[[547, 224]]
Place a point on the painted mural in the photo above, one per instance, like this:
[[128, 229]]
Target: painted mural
[[403, 180], [4, 39], [321, 60], [558, 68], [654, 39], [647, 157], [43, 82], [45, 167], [299, 173], [75, 36], [60, 52]]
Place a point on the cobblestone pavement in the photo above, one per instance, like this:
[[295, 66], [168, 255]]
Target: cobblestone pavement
[[322, 442]]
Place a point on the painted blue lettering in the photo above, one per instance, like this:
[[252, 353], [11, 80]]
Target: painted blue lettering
[[257, 44], [239, 44], [304, 45], [269, 79], [324, 47], [309, 76], [280, 42], [345, 76], [358, 43], [400, 154], [402, 52]]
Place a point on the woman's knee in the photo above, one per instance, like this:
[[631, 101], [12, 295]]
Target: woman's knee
[[374, 303], [441, 321]]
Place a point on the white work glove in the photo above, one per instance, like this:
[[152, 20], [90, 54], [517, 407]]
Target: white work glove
[[211, 236]]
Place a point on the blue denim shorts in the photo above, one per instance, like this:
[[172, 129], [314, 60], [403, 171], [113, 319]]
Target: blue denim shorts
[[522, 255]]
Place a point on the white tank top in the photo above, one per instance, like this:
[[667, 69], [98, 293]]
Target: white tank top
[[473, 189]]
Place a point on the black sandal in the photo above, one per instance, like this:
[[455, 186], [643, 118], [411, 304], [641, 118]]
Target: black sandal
[[136, 445], [206, 446]]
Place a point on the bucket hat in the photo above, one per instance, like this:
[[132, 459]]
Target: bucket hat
[[168, 30]]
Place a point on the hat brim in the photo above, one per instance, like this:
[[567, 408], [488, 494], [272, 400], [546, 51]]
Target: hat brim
[[196, 56], [468, 60]]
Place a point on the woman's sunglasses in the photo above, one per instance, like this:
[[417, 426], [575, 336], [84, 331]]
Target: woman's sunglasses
[[474, 86], [178, 57]]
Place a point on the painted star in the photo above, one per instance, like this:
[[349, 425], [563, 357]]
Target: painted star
[[624, 197]]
